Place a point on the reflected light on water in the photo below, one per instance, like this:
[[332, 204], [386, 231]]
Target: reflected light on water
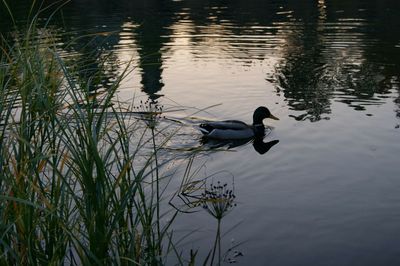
[[328, 69]]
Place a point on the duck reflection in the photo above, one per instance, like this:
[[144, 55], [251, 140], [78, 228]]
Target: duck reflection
[[258, 143], [263, 147]]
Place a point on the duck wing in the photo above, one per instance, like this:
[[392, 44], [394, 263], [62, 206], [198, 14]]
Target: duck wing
[[227, 124], [231, 133], [228, 129]]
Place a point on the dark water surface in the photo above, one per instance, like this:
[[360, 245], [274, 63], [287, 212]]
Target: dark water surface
[[328, 193]]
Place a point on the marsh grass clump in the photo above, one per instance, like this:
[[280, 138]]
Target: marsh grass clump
[[80, 176], [72, 188]]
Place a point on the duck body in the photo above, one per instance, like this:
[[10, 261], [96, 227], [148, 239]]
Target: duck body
[[234, 129], [228, 129]]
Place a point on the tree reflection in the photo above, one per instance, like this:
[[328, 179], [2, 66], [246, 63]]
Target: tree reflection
[[151, 37], [322, 63], [95, 67], [365, 72], [303, 75], [326, 50]]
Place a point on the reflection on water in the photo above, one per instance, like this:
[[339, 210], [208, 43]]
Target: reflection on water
[[313, 52], [258, 143], [263, 147], [330, 188]]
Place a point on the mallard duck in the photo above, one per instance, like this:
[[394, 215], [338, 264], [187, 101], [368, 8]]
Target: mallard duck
[[234, 129]]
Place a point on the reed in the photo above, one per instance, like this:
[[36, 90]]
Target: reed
[[73, 188]]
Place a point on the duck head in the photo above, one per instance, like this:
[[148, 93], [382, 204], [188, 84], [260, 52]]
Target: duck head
[[260, 114]]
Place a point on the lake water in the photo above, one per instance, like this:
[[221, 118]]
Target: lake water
[[328, 192]]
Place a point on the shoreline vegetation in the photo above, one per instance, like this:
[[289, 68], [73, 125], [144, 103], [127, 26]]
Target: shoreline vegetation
[[72, 190], [81, 182]]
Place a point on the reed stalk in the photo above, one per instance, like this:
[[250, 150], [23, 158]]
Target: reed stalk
[[73, 188]]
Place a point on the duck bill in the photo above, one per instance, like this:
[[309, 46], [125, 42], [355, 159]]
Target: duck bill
[[273, 117]]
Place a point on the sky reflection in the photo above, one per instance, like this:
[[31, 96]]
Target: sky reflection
[[312, 52]]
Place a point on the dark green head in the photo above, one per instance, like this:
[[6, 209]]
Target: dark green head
[[260, 114]]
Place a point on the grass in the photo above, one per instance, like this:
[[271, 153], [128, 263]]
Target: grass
[[73, 188], [81, 178]]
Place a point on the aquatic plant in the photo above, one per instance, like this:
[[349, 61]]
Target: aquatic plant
[[79, 173], [73, 189], [218, 200], [150, 112]]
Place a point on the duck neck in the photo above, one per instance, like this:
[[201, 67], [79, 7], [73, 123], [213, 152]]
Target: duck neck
[[258, 119], [259, 129]]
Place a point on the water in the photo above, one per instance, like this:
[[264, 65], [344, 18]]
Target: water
[[327, 193]]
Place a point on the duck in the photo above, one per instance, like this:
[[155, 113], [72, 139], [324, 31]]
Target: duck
[[234, 129]]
